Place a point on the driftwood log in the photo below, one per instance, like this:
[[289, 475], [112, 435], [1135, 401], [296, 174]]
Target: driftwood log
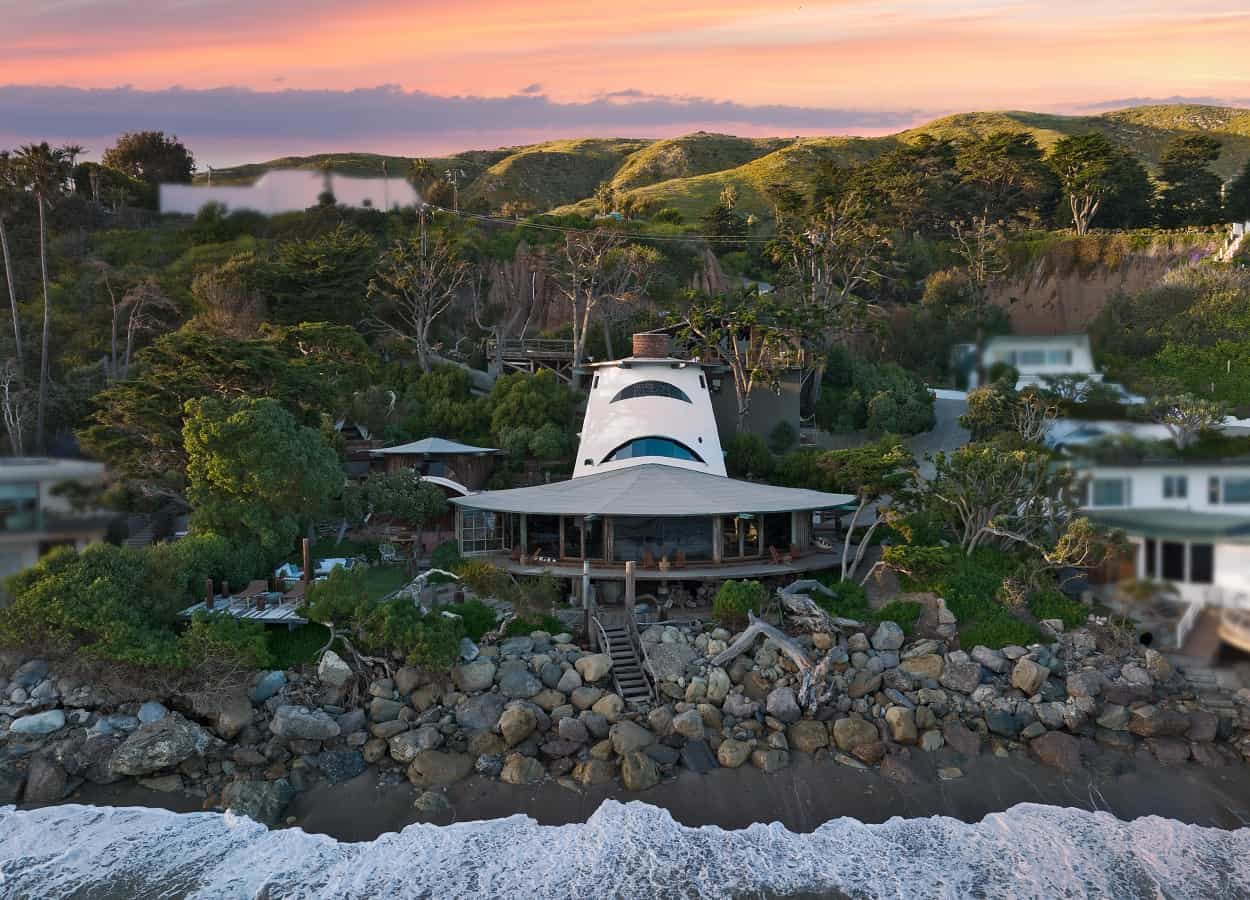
[[804, 612], [746, 640]]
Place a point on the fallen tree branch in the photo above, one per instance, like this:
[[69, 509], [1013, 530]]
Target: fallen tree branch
[[754, 630]]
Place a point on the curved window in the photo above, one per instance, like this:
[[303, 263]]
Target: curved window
[[653, 446], [651, 389]]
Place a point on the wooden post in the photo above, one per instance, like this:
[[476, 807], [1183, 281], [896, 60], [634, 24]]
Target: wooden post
[[306, 546], [525, 540], [718, 538], [208, 593], [587, 604], [631, 597]]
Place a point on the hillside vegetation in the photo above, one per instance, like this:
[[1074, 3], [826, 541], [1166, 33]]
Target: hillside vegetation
[[688, 173]]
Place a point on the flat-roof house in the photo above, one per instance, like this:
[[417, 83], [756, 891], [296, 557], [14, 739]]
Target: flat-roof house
[[464, 464], [35, 517], [1037, 357]]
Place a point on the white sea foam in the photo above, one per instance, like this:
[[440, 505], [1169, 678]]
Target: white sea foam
[[624, 850]]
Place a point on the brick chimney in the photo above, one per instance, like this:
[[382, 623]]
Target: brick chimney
[[648, 345]]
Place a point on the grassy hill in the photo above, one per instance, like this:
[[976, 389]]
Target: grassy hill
[[689, 172]]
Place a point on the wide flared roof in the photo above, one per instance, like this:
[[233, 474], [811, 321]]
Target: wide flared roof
[[1176, 524], [651, 489], [435, 446]]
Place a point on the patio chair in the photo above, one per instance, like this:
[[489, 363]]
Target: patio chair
[[387, 555], [775, 555], [796, 552], [254, 588], [516, 553], [679, 559], [648, 560]]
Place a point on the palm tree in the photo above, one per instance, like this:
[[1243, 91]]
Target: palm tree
[[43, 172], [10, 197]]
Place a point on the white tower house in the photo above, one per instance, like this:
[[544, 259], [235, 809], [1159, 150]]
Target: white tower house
[[649, 408]]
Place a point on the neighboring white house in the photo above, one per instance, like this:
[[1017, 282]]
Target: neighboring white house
[[289, 190], [649, 408], [1188, 523], [1033, 357], [34, 518]]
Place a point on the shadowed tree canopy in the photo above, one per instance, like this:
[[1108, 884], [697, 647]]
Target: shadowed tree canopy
[[1192, 192], [137, 427], [151, 156], [322, 279], [254, 473]]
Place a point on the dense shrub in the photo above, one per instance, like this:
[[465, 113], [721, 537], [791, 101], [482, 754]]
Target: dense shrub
[[199, 557], [483, 578], [747, 456], [905, 613], [1054, 604], [782, 438], [859, 395], [524, 625], [478, 618], [223, 640], [734, 600], [446, 556], [431, 640], [850, 601]]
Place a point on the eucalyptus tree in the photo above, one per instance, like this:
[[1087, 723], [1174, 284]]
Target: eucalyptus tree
[[43, 171]]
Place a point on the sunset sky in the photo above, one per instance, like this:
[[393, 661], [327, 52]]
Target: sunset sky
[[240, 79]]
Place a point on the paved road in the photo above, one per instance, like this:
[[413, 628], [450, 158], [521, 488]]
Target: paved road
[[946, 434]]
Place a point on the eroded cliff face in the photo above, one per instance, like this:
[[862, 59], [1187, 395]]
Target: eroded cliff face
[[526, 300], [1064, 289]]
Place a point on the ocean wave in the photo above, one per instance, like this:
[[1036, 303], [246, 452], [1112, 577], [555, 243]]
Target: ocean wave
[[624, 850]]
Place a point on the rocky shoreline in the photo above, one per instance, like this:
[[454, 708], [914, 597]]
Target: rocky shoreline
[[539, 709]]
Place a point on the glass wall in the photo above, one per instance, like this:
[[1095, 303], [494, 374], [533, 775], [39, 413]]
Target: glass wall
[[543, 535], [741, 537], [777, 531], [19, 507], [636, 536], [481, 531]]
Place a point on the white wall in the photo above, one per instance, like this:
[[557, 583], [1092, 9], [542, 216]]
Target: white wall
[[1148, 481], [289, 190], [608, 425]]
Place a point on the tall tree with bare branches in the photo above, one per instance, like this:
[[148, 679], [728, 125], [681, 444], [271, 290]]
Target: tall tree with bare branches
[[412, 288], [10, 199]]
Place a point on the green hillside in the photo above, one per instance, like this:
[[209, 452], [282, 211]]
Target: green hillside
[[689, 172]]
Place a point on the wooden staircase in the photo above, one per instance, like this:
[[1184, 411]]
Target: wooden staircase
[[632, 682]]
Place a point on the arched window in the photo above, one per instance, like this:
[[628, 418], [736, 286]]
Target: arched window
[[651, 389], [653, 446]]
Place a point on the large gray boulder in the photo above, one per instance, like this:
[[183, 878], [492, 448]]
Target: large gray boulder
[[783, 705], [474, 676], [961, 676], [39, 723], [668, 662], [268, 685], [332, 670], [593, 666], [519, 684], [45, 781], [628, 737], [261, 801], [480, 713], [888, 636], [161, 745], [302, 723]]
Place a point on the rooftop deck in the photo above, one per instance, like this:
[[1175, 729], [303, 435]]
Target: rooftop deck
[[698, 571], [282, 614]]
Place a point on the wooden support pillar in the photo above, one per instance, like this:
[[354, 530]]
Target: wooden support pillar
[[525, 542], [718, 538], [631, 588], [306, 547], [588, 603], [209, 595]]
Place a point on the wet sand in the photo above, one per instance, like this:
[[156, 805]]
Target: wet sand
[[800, 797]]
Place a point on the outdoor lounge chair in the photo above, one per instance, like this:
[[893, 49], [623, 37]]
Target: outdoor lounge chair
[[648, 561], [255, 588], [294, 596], [679, 559], [775, 555], [516, 553], [795, 551]]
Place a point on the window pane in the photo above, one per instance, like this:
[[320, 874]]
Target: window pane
[[1175, 487], [653, 446], [1109, 492], [635, 536], [1032, 357], [651, 389], [1059, 357], [1213, 490], [1237, 490], [543, 535], [777, 531], [1152, 558], [1201, 564], [1173, 561], [19, 507]]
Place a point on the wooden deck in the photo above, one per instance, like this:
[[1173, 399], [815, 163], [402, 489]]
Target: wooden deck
[[283, 614], [757, 568]]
